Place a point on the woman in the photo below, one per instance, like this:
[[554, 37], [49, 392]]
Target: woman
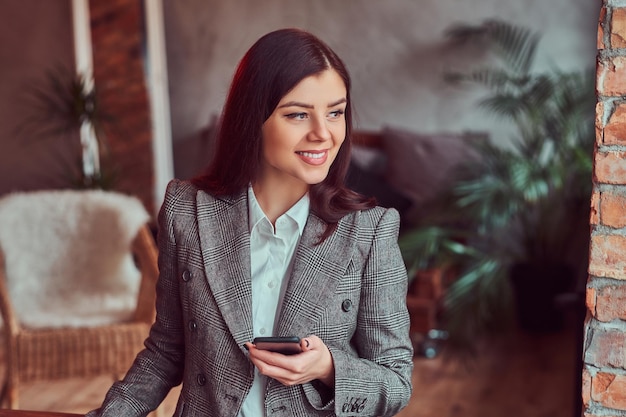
[[271, 243]]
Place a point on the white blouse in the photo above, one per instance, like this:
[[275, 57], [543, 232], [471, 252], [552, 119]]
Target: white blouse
[[271, 254]]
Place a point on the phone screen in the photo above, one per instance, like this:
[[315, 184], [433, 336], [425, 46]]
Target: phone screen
[[284, 345]]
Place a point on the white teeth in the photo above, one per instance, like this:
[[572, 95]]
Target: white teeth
[[312, 155]]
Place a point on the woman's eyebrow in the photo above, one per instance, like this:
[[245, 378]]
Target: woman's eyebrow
[[341, 100], [296, 104], [310, 106]]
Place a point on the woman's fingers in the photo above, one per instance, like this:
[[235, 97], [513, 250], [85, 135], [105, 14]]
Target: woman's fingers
[[305, 344], [314, 362]]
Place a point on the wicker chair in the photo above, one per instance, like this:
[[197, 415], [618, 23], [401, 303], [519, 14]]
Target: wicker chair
[[34, 353]]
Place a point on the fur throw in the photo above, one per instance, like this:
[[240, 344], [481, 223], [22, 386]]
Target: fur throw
[[68, 259]]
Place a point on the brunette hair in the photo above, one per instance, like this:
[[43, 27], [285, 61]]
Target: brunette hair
[[273, 66]]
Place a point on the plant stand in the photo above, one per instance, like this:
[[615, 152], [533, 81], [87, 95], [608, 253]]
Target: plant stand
[[423, 302]]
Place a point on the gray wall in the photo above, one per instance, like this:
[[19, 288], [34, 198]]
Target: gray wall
[[395, 51]]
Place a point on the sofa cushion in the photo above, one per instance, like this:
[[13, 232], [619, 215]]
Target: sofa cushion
[[422, 165]]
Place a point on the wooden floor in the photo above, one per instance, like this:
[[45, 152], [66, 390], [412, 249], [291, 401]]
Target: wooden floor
[[521, 376]]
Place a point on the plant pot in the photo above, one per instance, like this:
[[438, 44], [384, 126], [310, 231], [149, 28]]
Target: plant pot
[[535, 287]]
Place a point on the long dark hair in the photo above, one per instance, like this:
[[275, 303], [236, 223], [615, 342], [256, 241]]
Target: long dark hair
[[274, 65]]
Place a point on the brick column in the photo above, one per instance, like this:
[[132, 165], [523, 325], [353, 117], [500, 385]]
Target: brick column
[[117, 28], [604, 355]]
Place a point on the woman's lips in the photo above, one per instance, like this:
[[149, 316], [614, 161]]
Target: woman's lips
[[313, 157]]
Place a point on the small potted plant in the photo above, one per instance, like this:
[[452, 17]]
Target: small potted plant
[[66, 107]]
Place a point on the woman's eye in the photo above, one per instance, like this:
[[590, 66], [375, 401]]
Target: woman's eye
[[297, 116], [335, 114]]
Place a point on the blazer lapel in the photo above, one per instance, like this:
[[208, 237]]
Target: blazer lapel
[[317, 271], [225, 244]]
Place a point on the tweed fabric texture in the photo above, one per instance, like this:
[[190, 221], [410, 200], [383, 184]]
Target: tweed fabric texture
[[349, 290]]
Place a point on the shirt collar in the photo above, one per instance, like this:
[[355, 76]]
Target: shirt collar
[[299, 212]]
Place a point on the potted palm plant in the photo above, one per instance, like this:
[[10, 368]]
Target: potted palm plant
[[65, 106], [516, 221]]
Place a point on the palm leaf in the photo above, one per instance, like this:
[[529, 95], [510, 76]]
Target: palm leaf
[[514, 45], [476, 304]]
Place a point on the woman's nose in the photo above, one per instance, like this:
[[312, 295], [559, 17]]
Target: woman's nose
[[320, 131]]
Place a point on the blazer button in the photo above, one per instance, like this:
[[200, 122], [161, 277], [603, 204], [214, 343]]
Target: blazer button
[[201, 379], [193, 326], [186, 275], [346, 305]]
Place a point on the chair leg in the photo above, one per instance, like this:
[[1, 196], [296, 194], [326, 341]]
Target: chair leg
[[10, 390], [3, 394], [9, 396], [14, 403]]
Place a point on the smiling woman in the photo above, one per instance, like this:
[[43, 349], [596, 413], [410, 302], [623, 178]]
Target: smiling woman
[[301, 139], [270, 242]]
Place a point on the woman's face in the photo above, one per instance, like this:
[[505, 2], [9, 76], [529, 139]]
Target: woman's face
[[302, 136]]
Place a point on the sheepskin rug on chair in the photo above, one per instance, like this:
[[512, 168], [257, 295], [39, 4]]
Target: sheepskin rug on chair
[[68, 259]]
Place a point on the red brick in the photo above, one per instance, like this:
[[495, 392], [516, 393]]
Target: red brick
[[596, 415], [612, 76], [609, 390], [601, 23], [603, 415], [610, 167], [595, 208], [615, 130], [117, 33], [611, 303], [586, 387], [590, 300], [606, 348], [603, 393], [608, 256], [618, 28], [98, 7], [599, 124], [613, 210]]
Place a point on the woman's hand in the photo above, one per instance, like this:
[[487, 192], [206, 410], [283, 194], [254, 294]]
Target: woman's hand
[[314, 362]]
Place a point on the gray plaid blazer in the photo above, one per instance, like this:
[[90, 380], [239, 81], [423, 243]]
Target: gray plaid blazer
[[350, 291]]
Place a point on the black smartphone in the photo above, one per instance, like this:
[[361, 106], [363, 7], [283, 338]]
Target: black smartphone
[[285, 345]]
